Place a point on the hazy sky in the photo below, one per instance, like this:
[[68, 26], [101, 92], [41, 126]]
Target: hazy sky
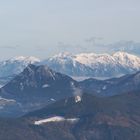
[[44, 27]]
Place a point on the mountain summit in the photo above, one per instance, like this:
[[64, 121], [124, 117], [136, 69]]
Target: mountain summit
[[37, 86], [65, 63], [16, 65]]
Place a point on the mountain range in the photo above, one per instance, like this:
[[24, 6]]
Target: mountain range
[[101, 65], [40, 103], [110, 87], [80, 65], [38, 86]]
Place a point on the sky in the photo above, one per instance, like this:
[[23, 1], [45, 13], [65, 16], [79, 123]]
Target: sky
[[42, 28]]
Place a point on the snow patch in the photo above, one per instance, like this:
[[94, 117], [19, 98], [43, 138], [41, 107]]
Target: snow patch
[[104, 87], [1, 86], [45, 86], [4, 102], [53, 99], [78, 99], [55, 119]]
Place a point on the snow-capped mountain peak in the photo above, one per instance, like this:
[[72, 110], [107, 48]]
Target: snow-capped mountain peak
[[63, 55], [122, 54], [91, 59], [65, 63], [127, 60], [63, 58], [29, 59], [16, 65]]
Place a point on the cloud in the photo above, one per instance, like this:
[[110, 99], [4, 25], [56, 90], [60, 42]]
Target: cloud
[[9, 47], [93, 40], [65, 47]]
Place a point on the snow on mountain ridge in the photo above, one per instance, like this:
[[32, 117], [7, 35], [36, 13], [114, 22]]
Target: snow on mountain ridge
[[29, 59], [16, 65], [56, 119], [102, 65], [65, 63], [63, 58], [122, 58], [83, 64], [63, 54], [128, 60]]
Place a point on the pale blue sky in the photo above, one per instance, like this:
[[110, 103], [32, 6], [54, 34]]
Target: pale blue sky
[[44, 27]]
